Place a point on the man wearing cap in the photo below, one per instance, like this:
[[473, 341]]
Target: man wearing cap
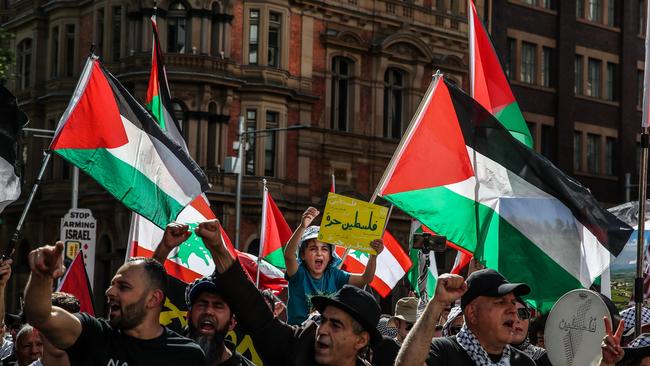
[[489, 307], [348, 319], [405, 316], [209, 320]]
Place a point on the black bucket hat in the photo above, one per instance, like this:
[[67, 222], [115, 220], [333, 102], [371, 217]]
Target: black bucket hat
[[356, 302]]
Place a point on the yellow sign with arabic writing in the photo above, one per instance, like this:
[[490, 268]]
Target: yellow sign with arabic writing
[[352, 223]]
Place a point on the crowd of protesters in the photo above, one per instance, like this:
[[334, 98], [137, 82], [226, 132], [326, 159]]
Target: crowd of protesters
[[330, 318]]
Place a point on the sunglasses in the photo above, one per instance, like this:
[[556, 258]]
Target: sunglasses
[[523, 313]]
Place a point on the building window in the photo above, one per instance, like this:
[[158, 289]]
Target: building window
[[546, 140], [594, 10], [511, 58], [528, 62], [580, 11], [177, 28], [341, 74], [393, 103], [548, 67], [612, 13], [547, 4], [253, 36], [593, 78], [611, 83], [593, 153], [251, 125], [69, 50], [272, 120], [275, 26], [116, 30], [639, 88], [24, 63], [577, 150], [610, 151], [55, 52]]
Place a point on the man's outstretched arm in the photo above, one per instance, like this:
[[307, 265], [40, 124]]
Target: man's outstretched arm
[[60, 327]]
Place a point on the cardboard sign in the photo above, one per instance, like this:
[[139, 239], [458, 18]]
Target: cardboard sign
[[78, 231], [352, 223]]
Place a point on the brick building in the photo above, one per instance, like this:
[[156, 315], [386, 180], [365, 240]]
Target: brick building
[[351, 71]]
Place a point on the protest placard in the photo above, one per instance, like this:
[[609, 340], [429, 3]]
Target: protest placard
[[352, 223]]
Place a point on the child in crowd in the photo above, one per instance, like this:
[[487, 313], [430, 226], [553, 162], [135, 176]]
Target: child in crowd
[[314, 270]]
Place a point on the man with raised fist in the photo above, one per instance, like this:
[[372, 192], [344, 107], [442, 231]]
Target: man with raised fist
[[131, 336]]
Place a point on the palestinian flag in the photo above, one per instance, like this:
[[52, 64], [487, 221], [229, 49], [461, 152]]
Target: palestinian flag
[[275, 232], [460, 173], [423, 275], [392, 264], [488, 84], [159, 100], [75, 282], [108, 135], [12, 122]]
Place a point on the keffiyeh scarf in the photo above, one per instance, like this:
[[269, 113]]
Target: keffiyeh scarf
[[530, 350], [475, 351]]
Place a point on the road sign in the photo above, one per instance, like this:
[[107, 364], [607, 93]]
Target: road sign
[[79, 231]]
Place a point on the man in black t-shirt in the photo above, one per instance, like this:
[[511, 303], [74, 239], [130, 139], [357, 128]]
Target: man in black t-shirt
[[132, 336], [488, 302]]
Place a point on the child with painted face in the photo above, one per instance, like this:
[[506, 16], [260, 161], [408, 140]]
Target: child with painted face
[[314, 270]]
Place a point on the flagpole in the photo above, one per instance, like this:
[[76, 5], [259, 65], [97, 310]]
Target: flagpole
[[14, 239], [262, 233], [643, 179]]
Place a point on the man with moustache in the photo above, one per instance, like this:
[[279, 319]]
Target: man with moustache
[[488, 302], [209, 320], [132, 335]]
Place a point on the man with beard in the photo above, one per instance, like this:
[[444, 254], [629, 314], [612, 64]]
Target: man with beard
[[489, 305], [132, 335], [209, 320], [347, 326]]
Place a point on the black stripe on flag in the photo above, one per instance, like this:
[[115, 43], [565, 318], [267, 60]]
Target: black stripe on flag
[[485, 134]]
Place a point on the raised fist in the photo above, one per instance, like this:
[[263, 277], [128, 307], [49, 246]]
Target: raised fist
[[308, 216], [449, 288], [210, 232], [175, 234]]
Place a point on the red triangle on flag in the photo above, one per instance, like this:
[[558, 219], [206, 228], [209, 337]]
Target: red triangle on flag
[[75, 282], [436, 142], [278, 231], [95, 121]]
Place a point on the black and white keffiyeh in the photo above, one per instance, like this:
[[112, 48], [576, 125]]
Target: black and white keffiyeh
[[475, 351], [530, 350], [642, 340]]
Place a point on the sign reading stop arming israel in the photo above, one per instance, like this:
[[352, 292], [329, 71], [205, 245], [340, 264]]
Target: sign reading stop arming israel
[[78, 231], [352, 223]]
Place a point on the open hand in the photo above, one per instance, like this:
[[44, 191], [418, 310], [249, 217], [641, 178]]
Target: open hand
[[308, 216], [611, 349], [47, 261], [175, 234], [449, 288]]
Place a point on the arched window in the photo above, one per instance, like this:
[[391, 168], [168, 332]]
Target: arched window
[[340, 102], [24, 61], [177, 28], [393, 103]]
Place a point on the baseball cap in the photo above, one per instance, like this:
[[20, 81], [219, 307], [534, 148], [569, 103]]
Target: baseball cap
[[488, 282], [194, 289]]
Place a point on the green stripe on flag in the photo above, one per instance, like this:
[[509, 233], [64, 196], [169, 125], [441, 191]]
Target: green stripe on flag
[[139, 193], [156, 108], [414, 271], [431, 282], [276, 258], [512, 119], [503, 247]]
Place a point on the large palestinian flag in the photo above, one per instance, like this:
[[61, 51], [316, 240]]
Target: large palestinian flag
[[488, 84], [108, 135], [460, 173], [275, 232]]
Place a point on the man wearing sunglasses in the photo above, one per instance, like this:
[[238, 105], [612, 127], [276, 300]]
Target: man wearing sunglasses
[[488, 302], [520, 339]]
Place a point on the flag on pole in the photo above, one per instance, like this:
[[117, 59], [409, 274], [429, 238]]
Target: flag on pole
[[75, 282], [645, 121], [488, 83], [423, 275], [275, 232], [108, 135], [461, 262], [392, 264], [463, 175], [12, 122]]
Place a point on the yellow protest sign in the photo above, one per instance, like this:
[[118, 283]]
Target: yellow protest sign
[[352, 223]]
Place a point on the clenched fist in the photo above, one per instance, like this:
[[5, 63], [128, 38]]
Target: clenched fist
[[449, 288], [210, 232], [47, 261]]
